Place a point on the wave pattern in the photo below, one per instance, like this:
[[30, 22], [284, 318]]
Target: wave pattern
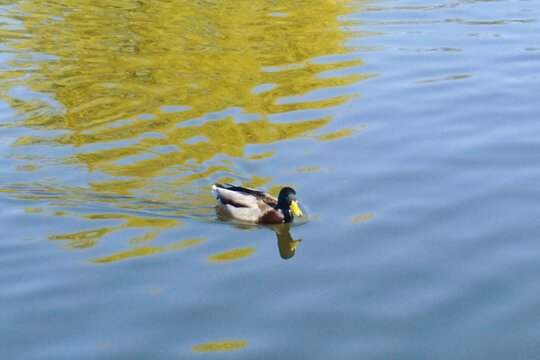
[[157, 100]]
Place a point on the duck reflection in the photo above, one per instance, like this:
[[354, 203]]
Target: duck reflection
[[286, 244]]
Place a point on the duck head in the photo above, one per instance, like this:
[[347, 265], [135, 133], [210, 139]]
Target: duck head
[[287, 203]]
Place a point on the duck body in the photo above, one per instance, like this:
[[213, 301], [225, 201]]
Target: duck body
[[255, 206]]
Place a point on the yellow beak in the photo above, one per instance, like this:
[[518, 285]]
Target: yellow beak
[[295, 209]]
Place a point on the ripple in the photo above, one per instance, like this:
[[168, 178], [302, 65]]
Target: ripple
[[223, 345]]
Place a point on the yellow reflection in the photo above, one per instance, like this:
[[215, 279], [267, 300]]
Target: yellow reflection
[[360, 218], [158, 110], [90, 238], [82, 239], [445, 78], [232, 255], [34, 210], [21, 168], [146, 250], [158, 289], [107, 65], [224, 345], [336, 134], [309, 169]]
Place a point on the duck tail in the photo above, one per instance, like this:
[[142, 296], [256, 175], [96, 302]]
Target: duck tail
[[215, 189]]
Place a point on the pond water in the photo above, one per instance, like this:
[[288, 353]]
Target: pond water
[[409, 129]]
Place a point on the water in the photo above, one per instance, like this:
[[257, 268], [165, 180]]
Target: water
[[408, 129]]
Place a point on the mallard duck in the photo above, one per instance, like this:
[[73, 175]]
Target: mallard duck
[[255, 206]]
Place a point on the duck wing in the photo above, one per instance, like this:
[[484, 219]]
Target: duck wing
[[240, 196]]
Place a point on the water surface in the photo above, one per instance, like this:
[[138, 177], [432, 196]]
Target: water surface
[[408, 129]]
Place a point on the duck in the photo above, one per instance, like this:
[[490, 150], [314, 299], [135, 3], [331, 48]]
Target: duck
[[256, 206]]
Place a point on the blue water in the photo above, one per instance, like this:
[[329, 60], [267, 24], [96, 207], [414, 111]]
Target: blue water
[[423, 238]]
